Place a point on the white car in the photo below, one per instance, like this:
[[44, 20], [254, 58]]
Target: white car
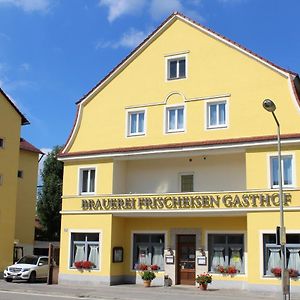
[[30, 267]]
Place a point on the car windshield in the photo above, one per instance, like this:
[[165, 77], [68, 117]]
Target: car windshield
[[32, 260]]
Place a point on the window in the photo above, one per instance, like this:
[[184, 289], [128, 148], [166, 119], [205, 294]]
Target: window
[[87, 181], [287, 170], [176, 67], [175, 119], [148, 249], [187, 183], [136, 123], [1, 143], [272, 256], [216, 114], [85, 246], [20, 174], [226, 250], [1, 179]]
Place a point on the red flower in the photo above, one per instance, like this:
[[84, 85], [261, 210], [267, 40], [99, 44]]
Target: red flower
[[83, 264], [154, 267]]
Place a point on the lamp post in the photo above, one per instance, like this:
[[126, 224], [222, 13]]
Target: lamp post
[[270, 106]]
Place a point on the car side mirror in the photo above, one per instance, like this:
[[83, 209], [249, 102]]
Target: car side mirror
[[40, 264]]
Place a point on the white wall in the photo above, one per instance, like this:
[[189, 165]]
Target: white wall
[[119, 177], [211, 173]]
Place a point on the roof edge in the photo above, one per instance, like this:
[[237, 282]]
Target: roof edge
[[23, 118], [26, 146], [266, 138]]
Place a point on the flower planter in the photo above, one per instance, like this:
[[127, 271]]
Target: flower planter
[[203, 287], [147, 283]]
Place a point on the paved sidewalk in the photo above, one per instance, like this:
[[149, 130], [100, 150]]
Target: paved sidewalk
[[137, 292]]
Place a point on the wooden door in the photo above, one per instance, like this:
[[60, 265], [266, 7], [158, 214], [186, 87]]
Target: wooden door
[[186, 249]]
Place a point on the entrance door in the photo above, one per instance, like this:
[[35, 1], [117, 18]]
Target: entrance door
[[186, 245]]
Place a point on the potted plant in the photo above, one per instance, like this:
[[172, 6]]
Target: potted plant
[[231, 270], [84, 264], [203, 280], [276, 272], [147, 273], [293, 273]]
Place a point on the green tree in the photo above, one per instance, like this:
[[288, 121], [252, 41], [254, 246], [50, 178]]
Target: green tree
[[49, 199]]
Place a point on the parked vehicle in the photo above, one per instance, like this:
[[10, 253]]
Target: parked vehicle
[[29, 267]]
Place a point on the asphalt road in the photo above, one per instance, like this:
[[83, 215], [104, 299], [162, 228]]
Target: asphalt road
[[25, 291]]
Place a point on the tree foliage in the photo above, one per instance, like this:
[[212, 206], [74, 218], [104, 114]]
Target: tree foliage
[[49, 199]]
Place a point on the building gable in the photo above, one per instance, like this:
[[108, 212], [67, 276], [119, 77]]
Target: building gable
[[158, 46]]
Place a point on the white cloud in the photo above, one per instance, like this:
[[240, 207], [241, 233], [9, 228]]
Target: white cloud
[[132, 38], [117, 8], [129, 39], [25, 67], [159, 9], [28, 5]]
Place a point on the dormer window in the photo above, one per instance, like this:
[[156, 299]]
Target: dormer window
[[176, 67]]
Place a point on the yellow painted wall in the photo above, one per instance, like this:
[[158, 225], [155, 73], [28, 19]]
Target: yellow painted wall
[[118, 239], [84, 223], [26, 199], [104, 177], [10, 124], [257, 223], [258, 170], [214, 68]]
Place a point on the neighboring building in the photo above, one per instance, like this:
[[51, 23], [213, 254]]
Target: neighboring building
[[172, 158], [18, 178]]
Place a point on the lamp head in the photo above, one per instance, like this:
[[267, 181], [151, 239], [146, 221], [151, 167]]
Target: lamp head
[[269, 105]]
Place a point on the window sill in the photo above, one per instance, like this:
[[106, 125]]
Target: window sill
[[176, 78], [136, 134], [217, 127], [176, 131]]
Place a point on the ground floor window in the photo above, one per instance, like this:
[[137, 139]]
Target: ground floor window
[[148, 249], [226, 250], [272, 256], [85, 247]]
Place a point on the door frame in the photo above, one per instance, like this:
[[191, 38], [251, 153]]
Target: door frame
[[177, 256], [172, 269]]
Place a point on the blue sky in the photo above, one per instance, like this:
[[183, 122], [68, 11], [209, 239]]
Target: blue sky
[[52, 52]]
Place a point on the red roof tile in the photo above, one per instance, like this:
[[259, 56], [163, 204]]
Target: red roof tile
[[234, 141], [24, 145]]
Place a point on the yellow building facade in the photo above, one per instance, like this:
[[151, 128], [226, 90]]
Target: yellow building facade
[[18, 180], [172, 161]]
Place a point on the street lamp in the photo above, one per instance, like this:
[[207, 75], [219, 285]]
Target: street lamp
[[270, 106]]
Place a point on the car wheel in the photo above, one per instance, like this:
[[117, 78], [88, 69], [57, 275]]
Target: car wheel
[[32, 277], [8, 279]]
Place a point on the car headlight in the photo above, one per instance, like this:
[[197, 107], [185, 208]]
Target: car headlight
[[26, 270]]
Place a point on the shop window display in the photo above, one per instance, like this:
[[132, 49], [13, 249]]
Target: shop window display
[[148, 249], [226, 250]]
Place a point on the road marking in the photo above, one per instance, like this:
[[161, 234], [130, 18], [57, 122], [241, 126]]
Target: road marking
[[53, 296]]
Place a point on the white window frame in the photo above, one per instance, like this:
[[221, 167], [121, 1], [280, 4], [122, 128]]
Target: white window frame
[[144, 232], [176, 57], [84, 231], [128, 122], [180, 182], [207, 114], [80, 181], [166, 118], [245, 247], [261, 250], [270, 171]]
